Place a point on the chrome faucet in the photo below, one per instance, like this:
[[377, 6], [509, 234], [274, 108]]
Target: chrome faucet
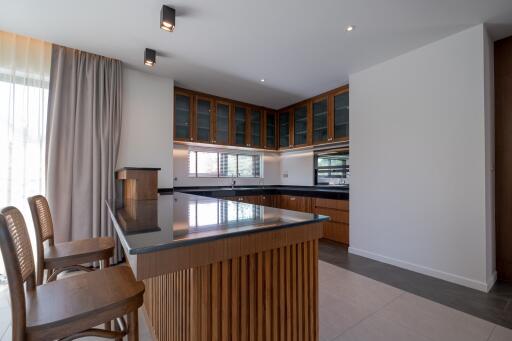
[[233, 182], [261, 182]]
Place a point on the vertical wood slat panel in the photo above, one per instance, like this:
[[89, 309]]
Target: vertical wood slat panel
[[272, 295]]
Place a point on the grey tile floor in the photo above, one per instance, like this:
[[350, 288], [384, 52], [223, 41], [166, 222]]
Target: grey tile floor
[[356, 308]]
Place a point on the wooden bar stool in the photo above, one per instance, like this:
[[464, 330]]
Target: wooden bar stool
[[56, 258], [69, 308]]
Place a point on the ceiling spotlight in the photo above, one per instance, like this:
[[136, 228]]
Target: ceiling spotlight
[[350, 28], [262, 80], [167, 18], [149, 57]]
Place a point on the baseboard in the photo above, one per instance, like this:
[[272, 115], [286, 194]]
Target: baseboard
[[467, 282], [491, 280]]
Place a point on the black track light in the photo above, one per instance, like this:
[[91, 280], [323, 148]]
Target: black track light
[[149, 57], [167, 18]]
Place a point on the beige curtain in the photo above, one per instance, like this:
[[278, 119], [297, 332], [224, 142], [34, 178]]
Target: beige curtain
[[24, 77], [84, 125]]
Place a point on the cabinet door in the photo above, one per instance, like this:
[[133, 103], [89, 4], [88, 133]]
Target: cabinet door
[[320, 119], [256, 127], [240, 126], [203, 119], [183, 117], [222, 114], [270, 130], [341, 115], [300, 125], [284, 129]]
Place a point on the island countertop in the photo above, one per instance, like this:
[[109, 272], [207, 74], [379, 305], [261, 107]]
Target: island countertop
[[181, 219]]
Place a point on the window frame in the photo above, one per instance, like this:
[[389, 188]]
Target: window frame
[[228, 152]]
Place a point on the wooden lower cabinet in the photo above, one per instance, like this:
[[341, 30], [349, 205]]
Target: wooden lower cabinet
[[336, 229]]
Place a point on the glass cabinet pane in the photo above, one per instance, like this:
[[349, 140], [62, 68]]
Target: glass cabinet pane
[[341, 112], [240, 121], [182, 117], [300, 125], [203, 115], [284, 129], [270, 130], [320, 121], [222, 124], [255, 128]]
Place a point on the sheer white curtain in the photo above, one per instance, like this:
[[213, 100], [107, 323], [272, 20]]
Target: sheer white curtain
[[24, 79]]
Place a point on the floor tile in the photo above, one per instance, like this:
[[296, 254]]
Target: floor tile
[[7, 335], [376, 328], [435, 321], [501, 334]]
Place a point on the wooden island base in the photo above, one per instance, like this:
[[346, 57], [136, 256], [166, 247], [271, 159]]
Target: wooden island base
[[269, 294]]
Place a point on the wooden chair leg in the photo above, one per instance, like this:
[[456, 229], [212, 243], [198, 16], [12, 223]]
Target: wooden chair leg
[[105, 263], [133, 326]]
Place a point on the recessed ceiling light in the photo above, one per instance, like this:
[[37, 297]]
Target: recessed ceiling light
[[350, 28], [149, 57], [167, 18], [262, 80]]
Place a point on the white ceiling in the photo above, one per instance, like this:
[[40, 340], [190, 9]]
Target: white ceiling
[[225, 47]]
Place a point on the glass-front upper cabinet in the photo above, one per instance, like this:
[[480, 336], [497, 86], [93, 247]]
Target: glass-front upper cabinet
[[240, 126], [222, 111], [284, 129], [300, 125], [256, 127], [341, 115], [183, 116], [203, 119], [320, 119], [270, 129]]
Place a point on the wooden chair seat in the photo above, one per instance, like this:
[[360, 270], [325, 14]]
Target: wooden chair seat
[[72, 304], [66, 254]]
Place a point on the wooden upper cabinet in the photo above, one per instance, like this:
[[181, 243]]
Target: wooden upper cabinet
[[300, 125], [340, 115], [183, 116], [204, 118], [284, 129], [269, 130], [240, 126], [321, 120], [255, 127], [222, 119]]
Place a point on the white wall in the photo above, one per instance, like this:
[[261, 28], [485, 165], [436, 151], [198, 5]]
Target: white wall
[[420, 166], [297, 168], [147, 128], [180, 158]]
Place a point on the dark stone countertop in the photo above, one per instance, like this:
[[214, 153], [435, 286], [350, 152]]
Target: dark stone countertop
[[138, 168], [180, 219], [341, 193]]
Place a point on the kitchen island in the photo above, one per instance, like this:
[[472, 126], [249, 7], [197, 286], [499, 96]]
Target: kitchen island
[[221, 269]]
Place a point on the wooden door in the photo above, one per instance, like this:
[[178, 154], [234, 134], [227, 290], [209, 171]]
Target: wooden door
[[284, 129], [300, 123], [340, 115], [269, 131], [240, 126], [203, 119], [183, 116], [320, 121], [255, 127], [503, 155], [222, 119]]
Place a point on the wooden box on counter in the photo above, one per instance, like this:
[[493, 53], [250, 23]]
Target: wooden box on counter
[[139, 183]]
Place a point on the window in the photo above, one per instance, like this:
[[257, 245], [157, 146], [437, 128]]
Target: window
[[223, 165], [332, 168]]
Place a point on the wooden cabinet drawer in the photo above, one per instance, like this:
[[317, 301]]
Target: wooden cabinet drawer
[[336, 231], [336, 216], [331, 203]]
